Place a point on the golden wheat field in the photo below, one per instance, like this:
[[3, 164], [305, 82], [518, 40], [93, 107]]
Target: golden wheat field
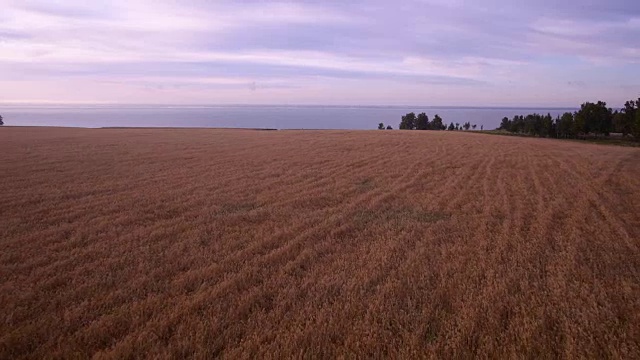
[[174, 243]]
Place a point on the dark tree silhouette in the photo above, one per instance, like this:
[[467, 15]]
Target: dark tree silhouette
[[564, 125], [408, 122], [422, 122], [592, 119], [451, 127], [619, 123], [635, 129], [389, 127], [1, 122], [625, 119], [380, 126], [505, 124], [437, 124]]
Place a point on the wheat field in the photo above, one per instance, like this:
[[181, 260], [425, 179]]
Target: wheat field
[[201, 243]]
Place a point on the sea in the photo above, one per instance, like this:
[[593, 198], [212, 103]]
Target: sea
[[251, 116]]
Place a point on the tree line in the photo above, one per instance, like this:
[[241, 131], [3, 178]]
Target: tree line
[[411, 121], [592, 119]]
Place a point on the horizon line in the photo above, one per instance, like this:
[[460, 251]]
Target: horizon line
[[204, 105]]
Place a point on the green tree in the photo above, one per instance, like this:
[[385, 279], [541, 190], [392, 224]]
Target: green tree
[[625, 119], [635, 129], [518, 124], [408, 122], [381, 126], [618, 122], [451, 127], [564, 125], [547, 126], [604, 123], [530, 124], [437, 124], [594, 118], [422, 122], [505, 124], [467, 125], [579, 124]]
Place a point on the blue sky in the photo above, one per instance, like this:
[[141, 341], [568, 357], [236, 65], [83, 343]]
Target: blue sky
[[432, 52]]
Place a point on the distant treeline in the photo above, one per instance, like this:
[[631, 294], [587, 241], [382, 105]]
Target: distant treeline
[[421, 122], [593, 119]]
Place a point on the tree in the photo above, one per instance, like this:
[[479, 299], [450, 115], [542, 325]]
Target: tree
[[389, 127], [467, 125], [505, 124], [635, 129], [618, 122], [451, 127], [380, 126], [564, 125], [624, 120], [578, 124], [532, 124], [408, 122], [457, 126], [604, 120], [636, 124], [437, 123], [1, 122], [422, 122], [594, 118], [547, 128], [481, 127], [517, 124], [473, 126]]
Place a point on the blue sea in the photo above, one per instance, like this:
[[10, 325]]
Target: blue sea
[[250, 116]]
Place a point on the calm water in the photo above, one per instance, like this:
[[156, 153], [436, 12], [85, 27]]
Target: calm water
[[279, 117]]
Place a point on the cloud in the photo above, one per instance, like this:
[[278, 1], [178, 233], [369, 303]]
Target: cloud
[[438, 47]]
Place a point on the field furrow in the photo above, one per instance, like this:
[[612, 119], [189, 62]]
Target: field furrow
[[174, 243]]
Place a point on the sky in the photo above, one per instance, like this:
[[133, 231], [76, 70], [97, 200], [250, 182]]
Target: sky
[[432, 52]]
